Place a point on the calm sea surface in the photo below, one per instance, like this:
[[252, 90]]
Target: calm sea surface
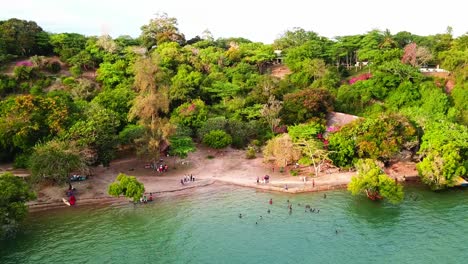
[[204, 227]]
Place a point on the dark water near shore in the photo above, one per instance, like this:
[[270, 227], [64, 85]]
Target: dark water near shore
[[204, 227]]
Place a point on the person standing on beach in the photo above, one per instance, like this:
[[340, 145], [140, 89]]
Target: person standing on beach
[[258, 180]]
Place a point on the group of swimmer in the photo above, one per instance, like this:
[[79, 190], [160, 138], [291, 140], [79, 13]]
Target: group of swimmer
[[307, 208]]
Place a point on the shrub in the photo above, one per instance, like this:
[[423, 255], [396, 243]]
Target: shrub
[[217, 139], [250, 153]]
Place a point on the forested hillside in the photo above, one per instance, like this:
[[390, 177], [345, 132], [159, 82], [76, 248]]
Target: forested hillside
[[70, 101]]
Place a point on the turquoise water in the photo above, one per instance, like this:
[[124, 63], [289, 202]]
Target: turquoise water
[[204, 227]]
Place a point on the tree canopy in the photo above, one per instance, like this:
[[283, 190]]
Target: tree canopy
[[14, 193]]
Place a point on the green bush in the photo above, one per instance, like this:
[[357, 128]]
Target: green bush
[[21, 161], [217, 139], [293, 172], [250, 153], [76, 71]]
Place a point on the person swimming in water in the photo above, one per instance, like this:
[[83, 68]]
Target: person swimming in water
[[240, 215], [271, 201], [268, 211]]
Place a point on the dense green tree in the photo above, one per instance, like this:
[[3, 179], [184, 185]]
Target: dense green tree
[[55, 160], [211, 124], [26, 119], [217, 139], [444, 150], [190, 114], [119, 100], [294, 38], [303, 105], [306, 131], [181, 146], [127, 186], [22, 38], [185, 83], [97, 133], [111, 74], [342, 149], [14, 193], [375, 183], [161, 29], [67, 45]]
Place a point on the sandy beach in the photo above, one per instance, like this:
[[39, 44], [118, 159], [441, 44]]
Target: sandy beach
[[208, 166]]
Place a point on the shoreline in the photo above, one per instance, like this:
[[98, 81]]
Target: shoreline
[[226, 167], [270, 187]]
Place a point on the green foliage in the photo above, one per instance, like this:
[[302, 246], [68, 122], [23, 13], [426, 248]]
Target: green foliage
[[185, 83], [55, 160], [190, 114], [22, 160], [305, 131], [130, 133], [293, 172], [127, 186], [98, 133], [375, 138], [25, 73], [303, 105], [250, 153], [23, 38], [375, 183], [181, 146], [26, 119], [214, 123], [111, 74], [342, 149], [67, 45], [217, 139], [444, 149], [118, 100], [241, 132], [14, 193], [161, 29]]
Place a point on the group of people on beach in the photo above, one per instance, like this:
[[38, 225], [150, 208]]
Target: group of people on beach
[[160, 167], [265, 179], [187, 178], [145, 199]]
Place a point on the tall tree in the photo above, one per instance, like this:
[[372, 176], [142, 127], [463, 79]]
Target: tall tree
[[270, 112], [22, 37], [161, 29], [150, 106]]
